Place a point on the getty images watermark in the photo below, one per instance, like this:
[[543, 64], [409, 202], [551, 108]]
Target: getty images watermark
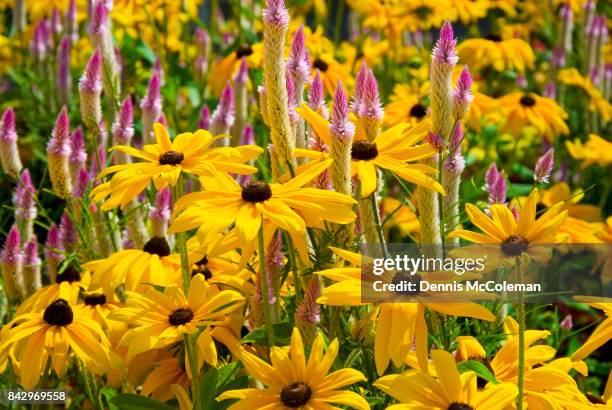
[[539, 273]]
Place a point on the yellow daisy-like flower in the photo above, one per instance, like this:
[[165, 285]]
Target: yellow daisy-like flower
[[37, 337], [416, 389], [595, 151], [468, 11], [421, 14], [509, 237], [597, 102], [493, 51], [294, 382], [163, 318], [135, 268], [398, 324], [167, 373], [69, 282], [391, 150], [288, 206], [164, 162], [407, 104], [528, 109], [224, 69], [546, 383]]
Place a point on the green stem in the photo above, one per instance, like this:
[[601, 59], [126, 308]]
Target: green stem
[[379, 231], [181, 241], [263, 280], [192, 356], [294, 268], [521, 344]]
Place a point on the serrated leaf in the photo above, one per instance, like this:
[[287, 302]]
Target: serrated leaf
[[127, 401], [478, 368]]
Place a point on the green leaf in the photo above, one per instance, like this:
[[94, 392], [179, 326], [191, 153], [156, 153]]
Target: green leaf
[[208, 389], [478, 368], [126, 401], [225, 373], [282, 334]]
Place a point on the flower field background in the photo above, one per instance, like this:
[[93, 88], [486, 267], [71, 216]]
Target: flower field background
[[190, 187]]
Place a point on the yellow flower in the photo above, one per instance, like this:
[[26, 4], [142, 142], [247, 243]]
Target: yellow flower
[[162, 319], [391, 150], [493, 51], [224, 69], [601, 335], [50, 334], [528, 109], [293, 381], [416, 389], [135, 268], [287, 206], [596, 151], [421, 14], [468, 11], [68, 284], [597, 102], [164, 162], [407, 104], [546, 382], [159, 382], [392, 341]]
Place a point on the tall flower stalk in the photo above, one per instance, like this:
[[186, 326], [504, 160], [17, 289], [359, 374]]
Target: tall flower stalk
[[444, 59], [58, 156], [298, 66], [276, 23], [9, 152]]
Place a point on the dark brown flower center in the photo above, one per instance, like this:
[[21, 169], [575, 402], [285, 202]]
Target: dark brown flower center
[[320, 64], [157, 246], [256, 191], [180, 316], [595, 399], [527, 101], [202, 267], [404, 279], [95, 299], [423, 11], [295, 395], [460, 406], [418, 111], [244, 50], [494, 37], [514, 245], [58, 313], [70, 274], [364, 150], [171, 158]]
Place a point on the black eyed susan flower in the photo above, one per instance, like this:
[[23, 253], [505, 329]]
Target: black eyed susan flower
[[161, 319], [504, 237], [450, 390], [165, 160], [494, 51], [287, 206], [133, 268], [294, 382], [407, 104], [69, 282], [528, 109], [393, 342], [420, 14], [391, 150], [52, 333], [547, 383]]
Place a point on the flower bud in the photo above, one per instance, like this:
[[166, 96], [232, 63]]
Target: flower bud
[[58, 154], [544, 167], [90, 88], [9, 152]]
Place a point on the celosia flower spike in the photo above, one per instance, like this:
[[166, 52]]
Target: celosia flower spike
[[544, 167], [58, 154], [9, 151]]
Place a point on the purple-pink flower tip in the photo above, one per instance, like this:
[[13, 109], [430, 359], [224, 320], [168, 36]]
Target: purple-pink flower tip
[[340, 125], [11, 250], [276, 13], [59, 144], [316, 93], [99, 16], [152, 98], [204, 120], [444, 51], [243, 72], [91, 81], [7, 125], [544, 166]]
